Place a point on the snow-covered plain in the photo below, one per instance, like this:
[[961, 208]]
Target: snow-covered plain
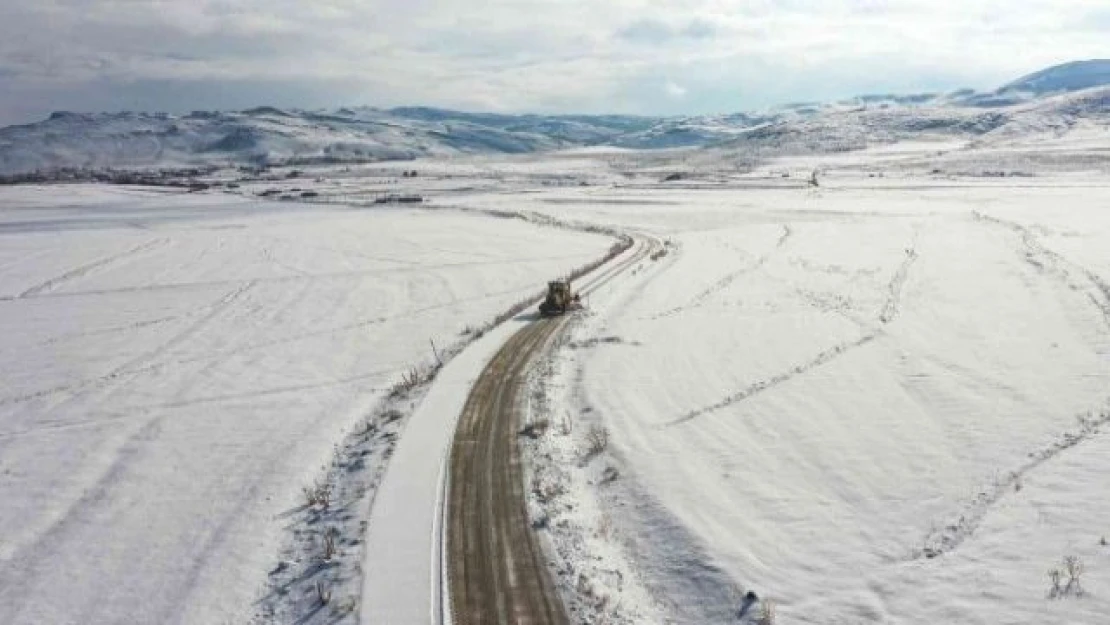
[[883, 400], [177, 367]]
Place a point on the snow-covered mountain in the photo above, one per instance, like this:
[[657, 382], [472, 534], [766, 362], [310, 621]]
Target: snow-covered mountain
[[268, 135], [837, 128], [1052, 100], [1072, 76]]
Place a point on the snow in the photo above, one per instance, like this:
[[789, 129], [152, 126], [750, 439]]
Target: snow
[[868, 402], [879, 400], [402, 566], [177, 367], [403, 578]]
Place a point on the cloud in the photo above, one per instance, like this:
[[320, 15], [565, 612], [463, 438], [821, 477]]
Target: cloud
[[674, 89], [652, 31], [520, 55]]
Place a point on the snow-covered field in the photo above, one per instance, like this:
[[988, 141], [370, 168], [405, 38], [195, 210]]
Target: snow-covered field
[[878, 401], [177, 367], [881, 400]]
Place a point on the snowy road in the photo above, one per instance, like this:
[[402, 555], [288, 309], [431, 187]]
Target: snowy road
[[497, 571], [407, 567]]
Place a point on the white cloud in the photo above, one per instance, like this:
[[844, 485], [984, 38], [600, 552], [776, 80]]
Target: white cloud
[[541, 55]]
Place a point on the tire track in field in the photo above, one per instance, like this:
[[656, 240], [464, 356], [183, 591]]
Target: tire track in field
[[1045, 260], [892, 307], [725, 282], [353, 326], [141, 363], [336, 275], [84, 270], [955, 532], [137, 325]]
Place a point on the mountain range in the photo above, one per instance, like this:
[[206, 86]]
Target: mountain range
[[1051, 101]]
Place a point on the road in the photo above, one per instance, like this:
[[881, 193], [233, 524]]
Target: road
[[495, 567]]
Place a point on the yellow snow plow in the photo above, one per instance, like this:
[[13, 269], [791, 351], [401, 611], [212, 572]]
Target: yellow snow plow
[[559, 299]]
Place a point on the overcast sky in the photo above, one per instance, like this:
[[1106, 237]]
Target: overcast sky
[[593, 56]]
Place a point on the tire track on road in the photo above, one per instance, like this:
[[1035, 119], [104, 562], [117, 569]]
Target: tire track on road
[[496, 570]]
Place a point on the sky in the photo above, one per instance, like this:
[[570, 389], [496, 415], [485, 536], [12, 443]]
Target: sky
[[541, 56]]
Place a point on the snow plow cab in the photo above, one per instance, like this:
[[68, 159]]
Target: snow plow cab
[[559, 299]]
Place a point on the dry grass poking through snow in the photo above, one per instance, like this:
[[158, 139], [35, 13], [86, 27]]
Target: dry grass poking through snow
[[1068, 572]]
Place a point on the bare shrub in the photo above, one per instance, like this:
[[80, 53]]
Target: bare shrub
[[414, 377], [319, 494], [566, 427], [597, 441], [329, 543], [767, 613], [605, 527], [536, 428], [368, 428], [609, 475], [409, 380], [1054, 576], [323, 595], [546, 489], [347, 607], [1072, 567]]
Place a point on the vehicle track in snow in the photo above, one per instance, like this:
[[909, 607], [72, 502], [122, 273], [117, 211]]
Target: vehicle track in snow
[[725, 282], [949, 535], [496, 570], [87, 268], [1045, 260], [46, 292], [144, 362], [892, 307]]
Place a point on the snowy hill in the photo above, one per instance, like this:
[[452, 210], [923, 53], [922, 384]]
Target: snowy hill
[[842, 127], [1053, 100], [1072, 76], [267, 135], [261, 136]]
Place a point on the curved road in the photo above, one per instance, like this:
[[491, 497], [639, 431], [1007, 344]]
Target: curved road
[[495, 566]]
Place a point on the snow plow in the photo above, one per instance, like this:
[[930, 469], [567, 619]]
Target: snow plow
[[559, 299]]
